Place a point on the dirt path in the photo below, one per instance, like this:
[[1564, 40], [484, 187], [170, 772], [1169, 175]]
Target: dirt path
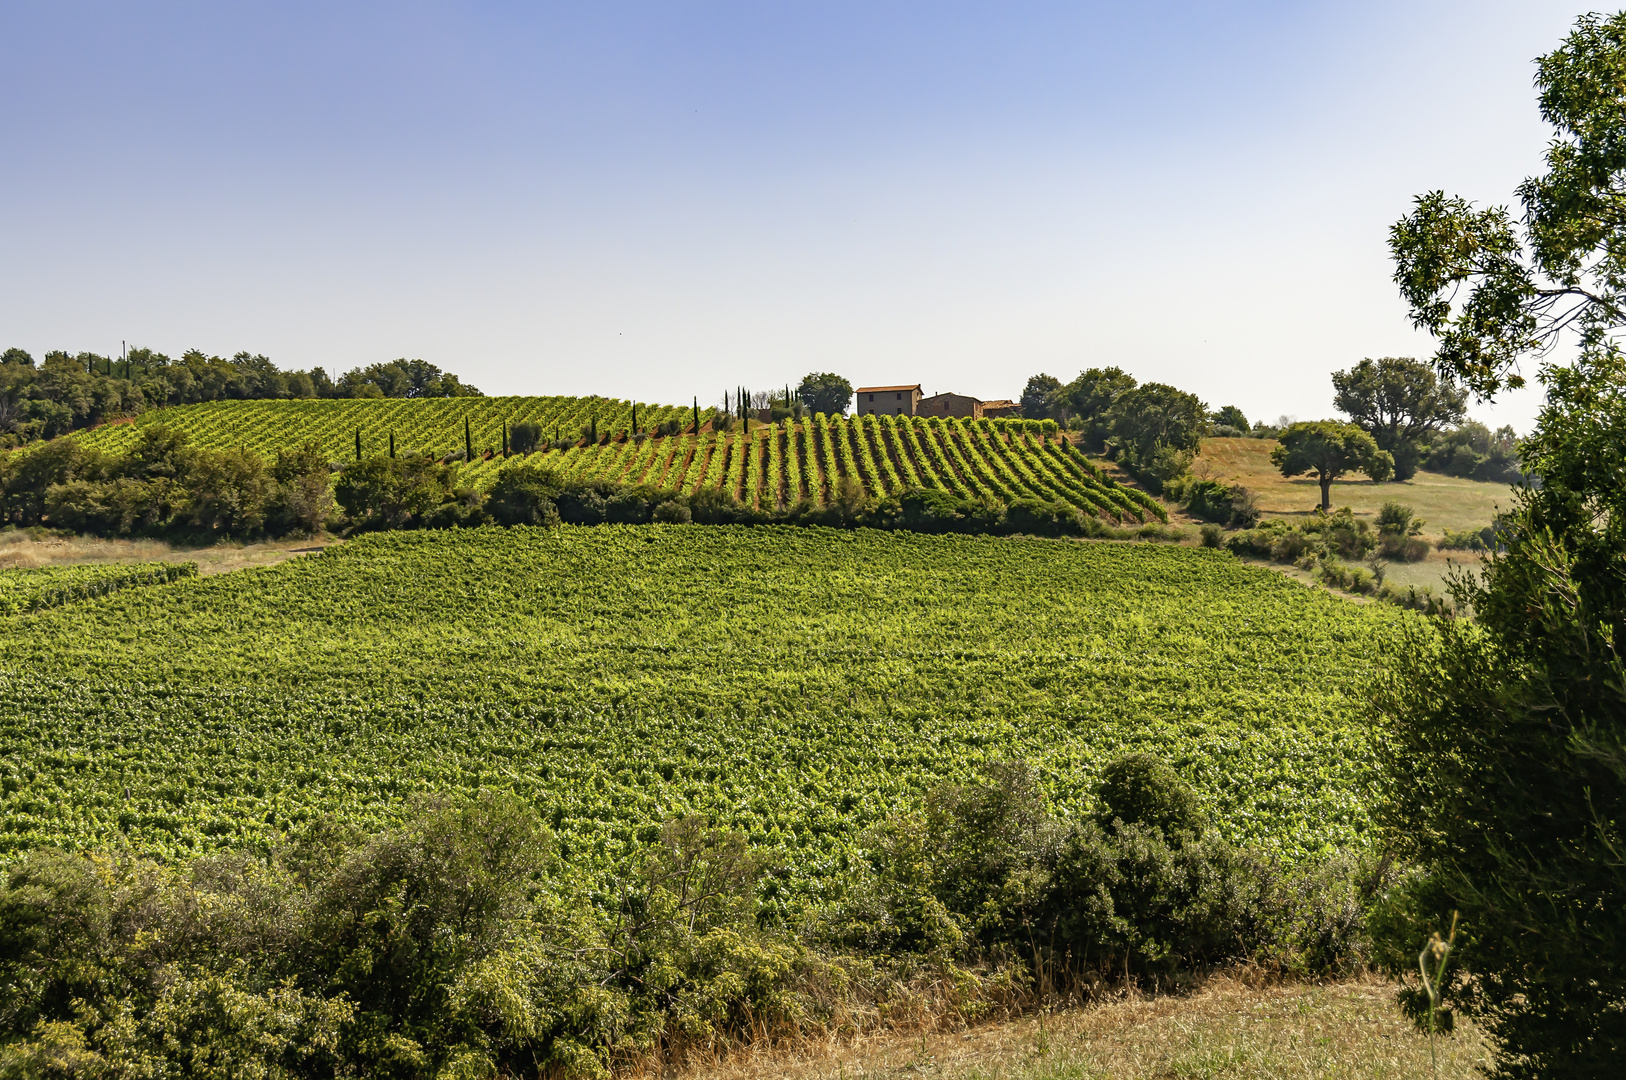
[[25, 548]]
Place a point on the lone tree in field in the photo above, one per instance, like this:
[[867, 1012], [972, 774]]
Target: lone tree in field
[[826, 393], [1330, 450], [1399, 402], [1505, 735]]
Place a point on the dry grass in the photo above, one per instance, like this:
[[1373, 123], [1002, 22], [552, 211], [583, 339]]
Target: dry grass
[[1227, 1029], [1444, 502], [26, 548]]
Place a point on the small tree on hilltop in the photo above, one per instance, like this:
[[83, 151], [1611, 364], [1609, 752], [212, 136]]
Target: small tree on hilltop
[[1041, 397], [1399, 402], [826, 393], [1153, 418], [1330, 450], [1090, 397]]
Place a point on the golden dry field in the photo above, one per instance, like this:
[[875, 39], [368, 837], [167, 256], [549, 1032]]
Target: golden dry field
[[1289, 1031], [1444, 502]]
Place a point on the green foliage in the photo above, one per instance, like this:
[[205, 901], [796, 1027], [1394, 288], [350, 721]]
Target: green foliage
[[1504, 741], [392, 492], [1397, 534], [1224, 504], [592, 683], [1494, 298], [1140, 789], [1325, 536], [165, 485], [1233, 418], [1400, 403], [71, 393], [1154, 425], [1474, 452], [1330, 450], [524, 437], [453, 944], [826, 393], [1041, 397], [49, 586], [988, 867], [1089, 399]]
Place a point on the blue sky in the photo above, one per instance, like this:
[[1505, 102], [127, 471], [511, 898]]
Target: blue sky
[[658, 200]]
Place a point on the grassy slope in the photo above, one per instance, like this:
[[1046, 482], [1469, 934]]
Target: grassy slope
[[1293, 1031], [1444, 502], [797, 683]]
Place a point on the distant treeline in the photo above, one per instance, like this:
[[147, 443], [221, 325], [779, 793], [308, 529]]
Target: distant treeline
[[64, 393]]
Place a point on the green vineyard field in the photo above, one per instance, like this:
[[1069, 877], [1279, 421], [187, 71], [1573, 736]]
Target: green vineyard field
[[797, 683], [50, 586], [769, 466]]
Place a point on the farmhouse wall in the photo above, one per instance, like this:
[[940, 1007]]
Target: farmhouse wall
[[888, 400]]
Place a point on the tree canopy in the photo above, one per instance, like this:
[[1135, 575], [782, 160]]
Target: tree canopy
[[826, 393], [1399, 402], [1495, 294], [1041, 397], [68, 392], [1330, 450], [1154, 415], [1089, 397], [1505, 735]]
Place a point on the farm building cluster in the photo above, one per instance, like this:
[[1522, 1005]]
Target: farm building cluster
[[911, 401]]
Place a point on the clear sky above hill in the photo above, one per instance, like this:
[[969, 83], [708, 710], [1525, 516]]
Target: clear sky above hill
[[662, 199]]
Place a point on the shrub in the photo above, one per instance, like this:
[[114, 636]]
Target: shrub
[[672, 512], [524, 438], [1212, 535], [1140, 789]]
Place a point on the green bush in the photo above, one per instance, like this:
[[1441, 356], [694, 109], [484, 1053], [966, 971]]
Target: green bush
[[1140, 789]]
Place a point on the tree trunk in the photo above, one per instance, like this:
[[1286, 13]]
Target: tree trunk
[[1326, 491]]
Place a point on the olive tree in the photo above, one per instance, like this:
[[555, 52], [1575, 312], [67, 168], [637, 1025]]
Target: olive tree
[[1329, 450]]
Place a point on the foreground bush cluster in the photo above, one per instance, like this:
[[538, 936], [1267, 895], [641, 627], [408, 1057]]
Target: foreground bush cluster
[[460, 944]]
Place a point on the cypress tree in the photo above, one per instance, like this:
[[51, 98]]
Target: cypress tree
[[635, 418], [392, 444], [358, 444], [505, 438], [697, 414], [468, 441]]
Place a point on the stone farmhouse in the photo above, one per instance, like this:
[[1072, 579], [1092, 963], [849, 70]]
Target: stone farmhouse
[[891, 400], [908, 401]]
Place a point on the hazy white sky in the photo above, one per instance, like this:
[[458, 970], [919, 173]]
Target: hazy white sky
[[658, 200]]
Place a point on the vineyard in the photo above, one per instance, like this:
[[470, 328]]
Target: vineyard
[[796, 683], [49, 586], [768, 466]]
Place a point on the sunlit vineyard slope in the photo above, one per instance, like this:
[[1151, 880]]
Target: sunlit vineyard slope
[[764, 465], [797, 683]]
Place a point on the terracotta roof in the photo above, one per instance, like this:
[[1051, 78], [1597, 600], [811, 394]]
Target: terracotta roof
[[885, 389]]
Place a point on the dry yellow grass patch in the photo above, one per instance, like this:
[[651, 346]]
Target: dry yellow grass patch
[[1227, 1029], [1444, 502], [24, 549]]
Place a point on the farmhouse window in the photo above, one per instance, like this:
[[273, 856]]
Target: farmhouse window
[[898, 396]]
